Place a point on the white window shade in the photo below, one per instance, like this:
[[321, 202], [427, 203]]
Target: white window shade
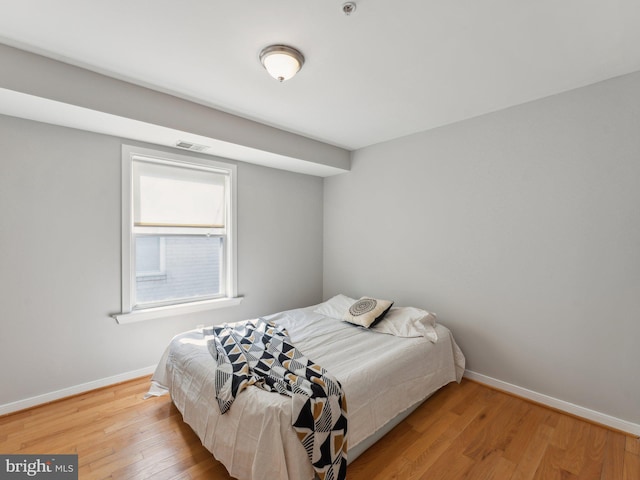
[[170, 195]]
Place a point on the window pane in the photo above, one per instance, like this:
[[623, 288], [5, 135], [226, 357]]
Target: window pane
[[178, 196], [188, 267]]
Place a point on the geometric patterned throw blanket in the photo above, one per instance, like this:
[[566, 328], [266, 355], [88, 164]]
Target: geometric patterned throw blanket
[[260, 353]]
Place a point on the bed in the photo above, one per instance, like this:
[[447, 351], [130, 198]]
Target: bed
[[386, 371]]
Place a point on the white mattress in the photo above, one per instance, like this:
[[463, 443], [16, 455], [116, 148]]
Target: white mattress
[[381, 375]]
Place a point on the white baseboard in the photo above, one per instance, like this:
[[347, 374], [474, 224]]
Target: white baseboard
[[577, 410], [592, 415], [76, 389]]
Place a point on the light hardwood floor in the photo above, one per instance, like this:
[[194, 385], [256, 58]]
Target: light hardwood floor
[[463, 431]]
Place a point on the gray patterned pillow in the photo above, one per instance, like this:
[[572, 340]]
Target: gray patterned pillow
[[366, 311]]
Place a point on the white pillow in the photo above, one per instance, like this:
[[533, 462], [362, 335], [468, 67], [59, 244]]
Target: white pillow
[[367, 311], [399, 321], [336, 306], [408, 322]]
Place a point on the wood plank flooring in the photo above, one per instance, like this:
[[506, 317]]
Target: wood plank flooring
[[464, 431]]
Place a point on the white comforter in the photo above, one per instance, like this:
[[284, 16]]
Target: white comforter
[[381, 376]]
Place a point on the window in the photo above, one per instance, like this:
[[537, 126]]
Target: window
[[178, 234]]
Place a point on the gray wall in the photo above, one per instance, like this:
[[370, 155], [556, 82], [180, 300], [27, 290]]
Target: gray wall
[[60, 258], [520, 229]]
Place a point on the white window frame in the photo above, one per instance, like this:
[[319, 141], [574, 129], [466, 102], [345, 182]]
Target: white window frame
[[129, 312]]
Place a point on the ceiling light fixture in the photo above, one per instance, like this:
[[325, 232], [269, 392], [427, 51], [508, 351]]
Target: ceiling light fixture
[[281, 62]]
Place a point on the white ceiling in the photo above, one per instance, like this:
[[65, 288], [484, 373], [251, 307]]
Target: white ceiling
[[390, 69]]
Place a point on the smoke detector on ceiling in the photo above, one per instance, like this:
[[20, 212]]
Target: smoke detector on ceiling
[[348, 8], [191, 146]]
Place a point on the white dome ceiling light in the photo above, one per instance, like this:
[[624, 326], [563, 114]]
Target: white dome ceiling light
[[281, 62]]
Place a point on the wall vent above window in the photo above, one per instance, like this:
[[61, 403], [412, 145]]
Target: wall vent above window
[[191, 146]]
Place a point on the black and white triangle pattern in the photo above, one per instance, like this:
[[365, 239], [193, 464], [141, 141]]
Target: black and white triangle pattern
[[260, 353]]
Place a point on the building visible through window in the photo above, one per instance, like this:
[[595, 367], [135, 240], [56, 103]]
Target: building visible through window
[[177, 267]]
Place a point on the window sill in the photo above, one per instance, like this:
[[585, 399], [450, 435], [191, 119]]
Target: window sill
[[173, 310]]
